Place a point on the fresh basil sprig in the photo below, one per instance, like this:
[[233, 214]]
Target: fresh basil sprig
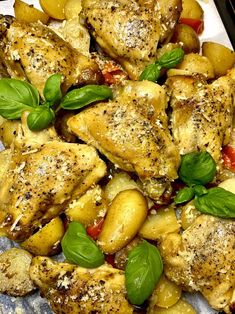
[[217, 202], [40, 118], [16, 97], [143, 270], [168, 60], [79, 248], [52, 91], [84, 96], [197, 168], [184, 195]]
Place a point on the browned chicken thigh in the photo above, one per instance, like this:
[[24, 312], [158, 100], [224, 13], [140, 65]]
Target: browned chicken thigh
[[132, 131], [72, 289], [202, 113], [34, 52], [129, 31], [203, 259]]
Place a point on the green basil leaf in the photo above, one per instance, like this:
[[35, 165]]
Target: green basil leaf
[[200, 190], [52, 91], [16, 97], [79, 248], [217, 202], [172, 58], [84, 96], [151, 73], [40, 118], [184, 195], [143, 270], [197, 168]]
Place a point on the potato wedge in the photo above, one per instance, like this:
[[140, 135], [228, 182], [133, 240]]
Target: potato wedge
[[46, 241], [162, 222], [188, 37], [126, 214], [181, 307], [188, 214], [72, 9], [88, 207], [14, 272], [221, 57], [194, 63], [120, 182], [192, 10], [27, 13], [54, 8], [166, 294]]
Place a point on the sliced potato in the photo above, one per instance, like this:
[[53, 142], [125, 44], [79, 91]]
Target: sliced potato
[[188, 37], [188, 214], [195, 63], [191, 9], [162, 222], [72, 9], [14, 272], [126, 214], [181, 307], [221, 57], [46, 241], [166, 294], [120, 182], [228, 185], [54, 8], [88, 207], [27, 13]]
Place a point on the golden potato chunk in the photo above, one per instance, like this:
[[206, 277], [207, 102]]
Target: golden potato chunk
[[221, 57], [192, 10], [72, 9], [181, 307], [54, 8], [14, 272], [27, 13]]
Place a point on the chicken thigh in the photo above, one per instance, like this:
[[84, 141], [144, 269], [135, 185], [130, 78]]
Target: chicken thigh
[[34, 52], [129, 31], [202, 113], [203, 259], [132, 131], [72, 289]]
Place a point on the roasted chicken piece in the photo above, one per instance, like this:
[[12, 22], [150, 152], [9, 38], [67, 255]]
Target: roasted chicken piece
[[203, 259], [202, 113], [42, 176], [129, 31], [34, 52], [72, 289], [132, 131]]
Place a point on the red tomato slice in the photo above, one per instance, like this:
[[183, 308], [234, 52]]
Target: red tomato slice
[[197, 25], [228, 156], [94, 230]]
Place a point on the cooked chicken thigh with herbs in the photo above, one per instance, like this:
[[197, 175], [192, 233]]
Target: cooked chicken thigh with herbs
[[132, 132], [35, 52], [72, 289], [203, 259], [129, 31], [202, 113], [41, 178]]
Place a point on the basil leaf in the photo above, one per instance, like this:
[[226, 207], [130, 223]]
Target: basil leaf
[[52, 91], [217, 202], [200, 190], [197, 168], [16, 97], [143, 270], [151, 73], [184, 195], [171, 58], [84, 96], [79, 248], [40, 118]]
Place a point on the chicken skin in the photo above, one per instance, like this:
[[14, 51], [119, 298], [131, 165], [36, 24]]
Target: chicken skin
[[203, 259], [72, 289], [35, 52], [129, 31], [202, 113], [132, 132]]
